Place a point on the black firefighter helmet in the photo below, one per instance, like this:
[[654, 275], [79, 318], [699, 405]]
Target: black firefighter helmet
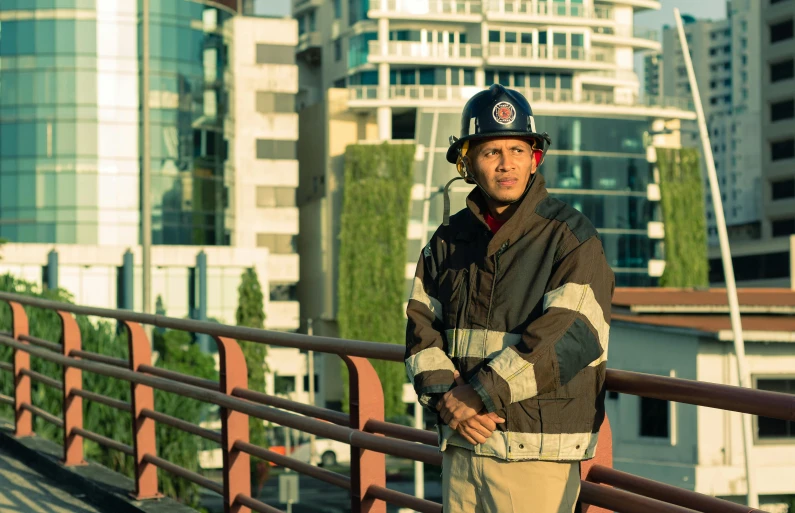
[[495, 112]]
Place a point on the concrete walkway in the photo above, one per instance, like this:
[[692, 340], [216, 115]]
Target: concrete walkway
[[23, 490]]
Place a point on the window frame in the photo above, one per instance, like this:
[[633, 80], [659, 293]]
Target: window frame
[[769, 440]]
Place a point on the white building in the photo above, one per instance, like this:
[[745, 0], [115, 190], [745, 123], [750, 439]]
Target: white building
[[722, 53], [687, 334]]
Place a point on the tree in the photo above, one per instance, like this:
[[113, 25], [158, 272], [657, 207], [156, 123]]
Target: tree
[[2, 241], [177, 354], [372, 279], [251, 314]]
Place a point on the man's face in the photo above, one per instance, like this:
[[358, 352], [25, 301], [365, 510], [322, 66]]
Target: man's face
[[503, 166]]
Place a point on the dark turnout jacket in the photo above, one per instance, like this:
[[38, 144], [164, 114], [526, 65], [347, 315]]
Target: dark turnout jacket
[[523, 315]]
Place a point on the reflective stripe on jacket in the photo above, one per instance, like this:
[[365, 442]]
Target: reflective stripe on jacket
[[523, 315]]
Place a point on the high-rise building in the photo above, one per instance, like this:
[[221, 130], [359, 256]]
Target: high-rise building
[[653, 71], [401, 71], [720, 54], [71, 151]]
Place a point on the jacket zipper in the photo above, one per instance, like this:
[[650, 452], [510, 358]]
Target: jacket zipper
[[488, 316]]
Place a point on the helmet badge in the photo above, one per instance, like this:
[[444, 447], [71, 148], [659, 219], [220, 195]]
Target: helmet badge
[[504, 113]]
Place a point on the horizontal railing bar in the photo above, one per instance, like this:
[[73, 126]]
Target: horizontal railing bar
[[343, 434], [285, 404], [184, 473], [103, 440], [101, 358], [404, 500], [321, 474], [52, 346], [624, 502], [402, 432], [378, 351], [41, 378], [102, 399], [259, 507], [178, 376], [664, 492], [4, 399], [725, 397], [7, 366], [181, 424], [35, 410]]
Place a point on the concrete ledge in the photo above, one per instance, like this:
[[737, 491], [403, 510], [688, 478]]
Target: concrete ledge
[[93, 483]]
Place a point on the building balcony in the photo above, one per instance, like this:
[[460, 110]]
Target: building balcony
[[282, 315], [620, 77], [546, 56], [300, 6], [309, 47], [436, 10], [413, 52], [542, 12], [628, 35], [544, 101], [638, 5]]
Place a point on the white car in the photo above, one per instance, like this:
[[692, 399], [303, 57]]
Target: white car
[[328, 452]]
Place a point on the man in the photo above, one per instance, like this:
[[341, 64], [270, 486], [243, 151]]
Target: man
[[508, 324]]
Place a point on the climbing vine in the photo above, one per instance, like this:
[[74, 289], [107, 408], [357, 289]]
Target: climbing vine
[[686, 262], [375, 213]]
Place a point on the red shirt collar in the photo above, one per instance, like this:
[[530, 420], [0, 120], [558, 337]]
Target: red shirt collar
[[494, 224]]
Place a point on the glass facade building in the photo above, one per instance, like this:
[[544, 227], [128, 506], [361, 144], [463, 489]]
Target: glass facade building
[[596, 165], [70, 122]]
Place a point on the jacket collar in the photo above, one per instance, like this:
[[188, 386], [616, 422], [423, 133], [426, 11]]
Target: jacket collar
[[519, 223]]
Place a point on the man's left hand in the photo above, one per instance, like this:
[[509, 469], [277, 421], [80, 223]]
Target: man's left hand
[[459, 404]]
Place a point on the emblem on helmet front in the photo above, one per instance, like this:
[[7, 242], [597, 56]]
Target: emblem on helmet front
[[504, 113]]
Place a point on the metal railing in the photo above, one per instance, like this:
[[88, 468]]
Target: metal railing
[[364, 429], [542, 8], [435, 7], [419, 50], [554, 52], [629, 31]]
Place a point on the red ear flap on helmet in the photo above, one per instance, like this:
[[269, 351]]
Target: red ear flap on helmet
[[538, 154]]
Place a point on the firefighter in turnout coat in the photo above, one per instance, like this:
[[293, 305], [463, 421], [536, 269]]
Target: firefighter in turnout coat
[[508, 323]]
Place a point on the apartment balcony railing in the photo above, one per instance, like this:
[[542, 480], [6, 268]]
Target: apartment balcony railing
[[434, 94], [628, 31], [543, 8], [427, 7], [363, 428], [417, 51], [556, 52]]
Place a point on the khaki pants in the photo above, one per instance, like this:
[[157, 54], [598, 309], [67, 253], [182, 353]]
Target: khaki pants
[[481, 484]]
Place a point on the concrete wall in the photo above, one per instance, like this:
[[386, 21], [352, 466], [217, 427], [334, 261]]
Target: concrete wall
[[670, 460]]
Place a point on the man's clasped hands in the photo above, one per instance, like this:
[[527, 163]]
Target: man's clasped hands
[[461, 408]]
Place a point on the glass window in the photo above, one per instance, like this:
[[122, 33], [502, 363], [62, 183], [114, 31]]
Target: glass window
[[462, 37], [519, 80], [653, 418], [783, 227], [427, 76], [577, 40], [781, 31], [86, 37], [337, 9], [559, 39], [269, 197], [268, 103], [393, 76], [542, 37], [45, 36], [782, 70], [535, 80], [408, 77], [510, 37], [86, 140], [504, 78], [494, 36], [455, 76], [25, 40], [782, 110], [776, 428], [65, 37], [527, 38], [274, 54], [550, 81], [338, 50], [565, 81], [469, 77], [275, 149], [782, 149]]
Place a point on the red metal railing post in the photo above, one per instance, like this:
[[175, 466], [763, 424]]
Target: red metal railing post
[[23, 419], [366, 403], [142, 398], [604, 457], [234, 426], [72, 404]]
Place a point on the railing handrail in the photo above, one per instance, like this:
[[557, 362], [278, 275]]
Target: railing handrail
[[756, 402], [632, 494]]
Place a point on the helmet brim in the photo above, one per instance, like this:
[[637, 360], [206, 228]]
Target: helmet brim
[[452, 151]]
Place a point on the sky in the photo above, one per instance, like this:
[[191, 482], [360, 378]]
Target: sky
[[708, 9]]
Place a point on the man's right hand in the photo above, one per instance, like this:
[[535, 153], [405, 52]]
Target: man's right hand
[[479, 428]]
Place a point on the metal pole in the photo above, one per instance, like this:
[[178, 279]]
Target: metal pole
[[728, 269], [310, 357], [146, 167]]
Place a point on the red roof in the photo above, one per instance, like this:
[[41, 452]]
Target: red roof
[[712, 323], [630, 296]]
